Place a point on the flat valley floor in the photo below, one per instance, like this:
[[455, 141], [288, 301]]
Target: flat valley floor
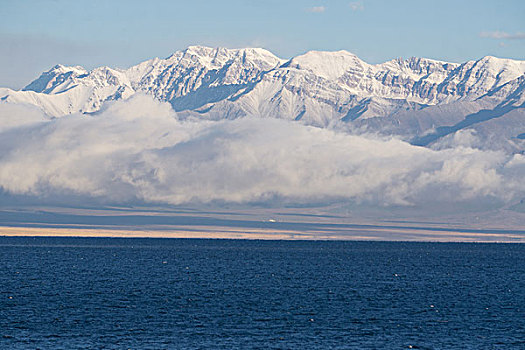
[[311, 223]]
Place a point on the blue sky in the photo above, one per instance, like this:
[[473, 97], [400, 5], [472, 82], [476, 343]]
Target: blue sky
[[35, 35]]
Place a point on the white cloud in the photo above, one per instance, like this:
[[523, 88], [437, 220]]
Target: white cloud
[[19, 115], [356, 6], [503, 35], [139, 150], [316, 9]]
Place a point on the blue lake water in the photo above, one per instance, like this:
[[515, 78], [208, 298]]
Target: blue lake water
[[109, 293]]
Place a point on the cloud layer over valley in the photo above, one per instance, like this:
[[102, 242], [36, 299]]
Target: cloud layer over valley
[[138, 150]]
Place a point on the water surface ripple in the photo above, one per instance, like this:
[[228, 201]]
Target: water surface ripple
[[109, 293]]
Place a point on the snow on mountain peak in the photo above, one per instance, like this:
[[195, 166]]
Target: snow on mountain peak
[[53, 77], [317, 87], [216, 58], [511, 69], [60, 68], [327, 64]]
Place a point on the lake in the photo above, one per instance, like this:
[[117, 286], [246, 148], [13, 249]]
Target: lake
[[117, 293]]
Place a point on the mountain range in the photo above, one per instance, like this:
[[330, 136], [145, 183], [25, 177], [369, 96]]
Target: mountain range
[[420, 100]]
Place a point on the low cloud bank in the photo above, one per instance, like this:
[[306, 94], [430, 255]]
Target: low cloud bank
[[138, 150]]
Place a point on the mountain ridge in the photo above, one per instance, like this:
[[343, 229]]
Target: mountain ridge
[[318, 88]]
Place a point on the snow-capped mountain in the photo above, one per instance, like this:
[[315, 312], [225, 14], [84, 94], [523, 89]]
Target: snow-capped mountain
[[422, 100]]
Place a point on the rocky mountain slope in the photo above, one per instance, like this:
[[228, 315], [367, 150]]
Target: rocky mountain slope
[[423, 101]]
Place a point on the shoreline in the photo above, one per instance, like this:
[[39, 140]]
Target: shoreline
[[267, 234]]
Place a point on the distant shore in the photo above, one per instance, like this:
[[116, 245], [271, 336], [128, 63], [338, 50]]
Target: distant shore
[[261, 234]]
